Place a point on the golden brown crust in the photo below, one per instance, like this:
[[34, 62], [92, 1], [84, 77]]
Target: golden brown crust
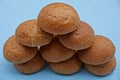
[[32, 66], [28, 34], [58, 19], [17, 53], [56, 52], [82, 38], [69, 66], [101, 51], [102, 70]]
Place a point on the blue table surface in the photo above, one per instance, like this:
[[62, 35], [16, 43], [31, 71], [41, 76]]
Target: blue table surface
[[102, 15]]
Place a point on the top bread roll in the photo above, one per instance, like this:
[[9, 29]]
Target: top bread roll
[[58, 19], [28, 34], [80, 39]]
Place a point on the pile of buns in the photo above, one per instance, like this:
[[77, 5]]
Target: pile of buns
[[59, 38]]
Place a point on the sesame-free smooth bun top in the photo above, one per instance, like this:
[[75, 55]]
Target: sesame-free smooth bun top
[[56, 52], [102, 70], [58, 18], [69, 66], [28, 34], [17, 53], [32, 66], [82, 38], [101, 51]]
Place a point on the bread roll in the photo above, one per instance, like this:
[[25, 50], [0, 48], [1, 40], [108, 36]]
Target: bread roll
[[103, 69], [101, 51], [80, 39], [58, 19], [32, 66], [16, 53], [28, 34], [56, 52], [69, 66]]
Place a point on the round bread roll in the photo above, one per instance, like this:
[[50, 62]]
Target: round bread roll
[[58, 19], [28, 34], [32, 66], [69, 66], [82, 38], [101, 51], [17, 53], [56, 52], [103, 69]]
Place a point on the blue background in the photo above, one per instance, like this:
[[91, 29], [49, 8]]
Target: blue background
[[102, 15]]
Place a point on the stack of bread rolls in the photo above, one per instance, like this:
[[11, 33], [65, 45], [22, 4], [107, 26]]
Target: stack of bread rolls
[[60, 38]]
